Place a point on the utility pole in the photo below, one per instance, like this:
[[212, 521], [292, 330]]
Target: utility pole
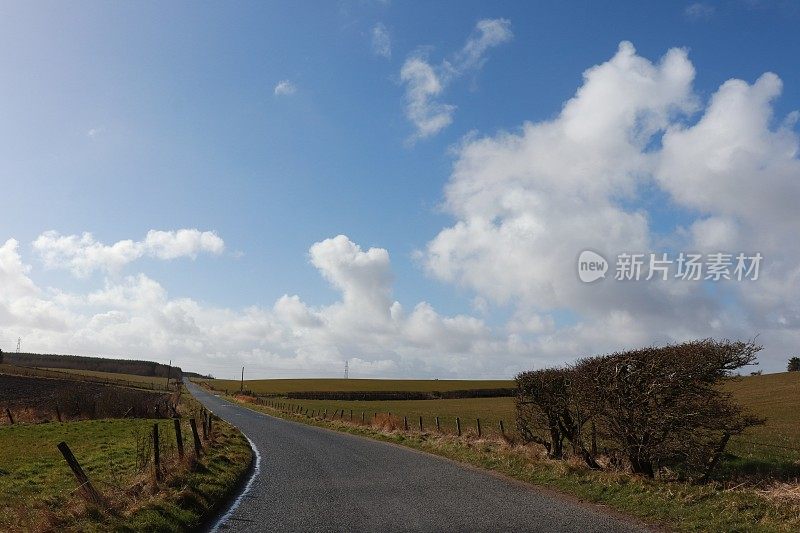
[[169, 371], [241, 389], [346, 369], [19, 343]]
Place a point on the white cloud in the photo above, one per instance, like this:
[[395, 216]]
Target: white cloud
[[527, 202], [83, 255], [381, 41], [699, 11], [284, 88], [94, 132], [134, 316], [425, 82]]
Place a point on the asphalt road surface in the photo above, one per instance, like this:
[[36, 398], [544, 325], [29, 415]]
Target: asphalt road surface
[[313, 479]]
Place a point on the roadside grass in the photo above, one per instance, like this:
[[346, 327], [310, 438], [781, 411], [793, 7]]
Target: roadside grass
[[282, 386], [672, 505], [38, 491], [490, 411]]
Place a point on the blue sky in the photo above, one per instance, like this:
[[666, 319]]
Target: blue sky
[[121, 118]]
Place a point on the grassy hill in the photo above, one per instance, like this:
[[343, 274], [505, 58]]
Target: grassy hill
[[94, 364]]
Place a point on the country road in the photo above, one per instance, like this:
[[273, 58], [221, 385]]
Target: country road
[[313, 479]]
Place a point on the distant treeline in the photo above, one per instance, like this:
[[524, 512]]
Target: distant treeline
[[196, 375], [400, 395], [95, 364]]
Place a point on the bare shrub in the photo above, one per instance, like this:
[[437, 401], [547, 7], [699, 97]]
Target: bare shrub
[[654, 408]]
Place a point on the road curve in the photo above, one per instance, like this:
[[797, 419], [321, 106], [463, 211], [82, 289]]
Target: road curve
[[313, 479]]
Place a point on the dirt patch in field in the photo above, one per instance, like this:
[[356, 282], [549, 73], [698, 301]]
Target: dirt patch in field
[[31, 399]]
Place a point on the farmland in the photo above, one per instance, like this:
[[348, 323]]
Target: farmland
[[33, 399], [283, 386], [773, 396], [150, 382], [111, 378]]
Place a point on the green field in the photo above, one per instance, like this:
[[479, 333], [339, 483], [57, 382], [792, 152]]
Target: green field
[[282, 386], [774, 448]]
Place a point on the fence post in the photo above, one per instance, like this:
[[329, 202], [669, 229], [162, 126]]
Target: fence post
[[479, 426], [362, 417], [73, 463], [325, 415], [179, 436], [198, 446], [438, 427], [156, 453], [351, 415], [420, 424], [205, 427], [405, 423], [58, 413], [502, 429], [210, 420], [458, 426], [10, 418]]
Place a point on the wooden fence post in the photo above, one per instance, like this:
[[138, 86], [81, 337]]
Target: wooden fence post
[[458, 426], [10, 417], [362, 417], [85, 484], [405, 423], [179, 436], [156, 453], [351, 415], [502, 429], [198, 446], [210, 420], [420, 424], [479, 426], [438, 427], [205, 425], [58, 413], [325, 415]]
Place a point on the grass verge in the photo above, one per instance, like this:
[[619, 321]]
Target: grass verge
[[672, 505], [39, 493]]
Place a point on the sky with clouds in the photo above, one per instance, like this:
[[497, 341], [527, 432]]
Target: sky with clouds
[[403, 185]]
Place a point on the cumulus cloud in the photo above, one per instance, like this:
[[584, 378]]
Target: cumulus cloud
[[527, 202], [82, 254], [381, 41], [425, 82], [284, 88]]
